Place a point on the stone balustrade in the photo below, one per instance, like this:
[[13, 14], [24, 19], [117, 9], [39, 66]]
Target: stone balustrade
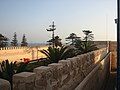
[[65, 75]]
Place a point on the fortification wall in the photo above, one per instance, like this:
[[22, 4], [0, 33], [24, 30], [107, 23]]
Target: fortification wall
[[97, 78], [65, 75], [17, 53], [113, 50]]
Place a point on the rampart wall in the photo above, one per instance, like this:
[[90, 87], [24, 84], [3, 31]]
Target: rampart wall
[[84, 72], [67, 74], [17, 53], [97, 78], [113, 50]]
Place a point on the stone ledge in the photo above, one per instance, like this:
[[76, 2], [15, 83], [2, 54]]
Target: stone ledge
[[41, 69], [25, 77]]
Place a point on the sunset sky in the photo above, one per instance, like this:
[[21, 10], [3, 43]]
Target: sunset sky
[[32, 17]]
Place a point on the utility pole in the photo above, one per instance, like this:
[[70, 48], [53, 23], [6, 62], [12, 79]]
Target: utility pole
[[52, 29]]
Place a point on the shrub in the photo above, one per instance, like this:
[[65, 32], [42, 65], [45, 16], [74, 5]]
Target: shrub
[[54, 54], [8, 69]]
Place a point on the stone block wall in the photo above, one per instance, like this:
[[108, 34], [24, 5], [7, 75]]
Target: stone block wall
[[96, 79], [4, 85], [113, 50], [65, 75]]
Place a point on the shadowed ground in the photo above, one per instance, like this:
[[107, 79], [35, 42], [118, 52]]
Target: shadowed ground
[[111, 83]]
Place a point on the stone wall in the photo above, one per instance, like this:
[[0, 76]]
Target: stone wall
[[17, 53], [65, 75], [4, 85], [113, 50], [101, 44], [96, 79]]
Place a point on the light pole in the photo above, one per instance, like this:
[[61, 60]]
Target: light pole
[[52, 28]]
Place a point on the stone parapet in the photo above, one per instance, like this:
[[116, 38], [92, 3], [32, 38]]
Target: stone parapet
[[24, 81], [97, 77], [4, 85], [43, 78], [64, 75]]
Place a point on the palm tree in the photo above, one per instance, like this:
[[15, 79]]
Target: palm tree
[[8, 69], [56, 54]]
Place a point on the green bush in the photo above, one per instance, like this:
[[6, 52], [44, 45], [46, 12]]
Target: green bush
[[54, 54], [35, 64], [8, 69]]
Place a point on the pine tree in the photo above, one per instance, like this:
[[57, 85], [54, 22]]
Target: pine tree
[[24, 41], [57, 41], [3, 41], [14, 41], [72, 38]]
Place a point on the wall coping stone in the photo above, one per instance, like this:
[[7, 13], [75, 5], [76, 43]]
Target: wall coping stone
[[25, 77], [54, 64], [41, 69]]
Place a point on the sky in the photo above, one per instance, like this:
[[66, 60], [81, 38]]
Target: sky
[[33, 17]]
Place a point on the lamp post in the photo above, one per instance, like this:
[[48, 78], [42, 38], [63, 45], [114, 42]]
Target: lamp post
[[52, 28]]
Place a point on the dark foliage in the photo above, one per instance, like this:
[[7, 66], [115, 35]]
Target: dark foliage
[[8, 69], [72, 38], [57, 41], [56, 54], [14, 41], [3, 41], [24, 41], [85, 45]]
